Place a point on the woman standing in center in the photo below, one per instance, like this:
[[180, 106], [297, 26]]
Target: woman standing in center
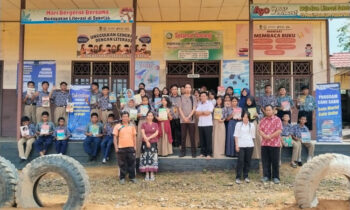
[[219, 129], [164, 115], [234, 116]]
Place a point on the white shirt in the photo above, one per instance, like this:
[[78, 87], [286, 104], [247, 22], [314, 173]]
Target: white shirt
[[245, 134], [205, 120]]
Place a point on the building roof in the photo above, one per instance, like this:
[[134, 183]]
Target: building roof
[[340, 60]]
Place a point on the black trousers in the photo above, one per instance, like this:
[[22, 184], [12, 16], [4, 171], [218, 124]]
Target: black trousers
[[270, 157], [188, 127], [308, 118], [127, 162], [244, 159], [280, 114], [206, 138], [176, 132]]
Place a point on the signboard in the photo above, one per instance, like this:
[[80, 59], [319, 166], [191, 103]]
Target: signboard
[[289, 40], [193, 45], [112, 42], [299, 11], [47, 16], [328, 113], [193, 76], [148, 73], [39, 71], [235, 73], [80, 117]]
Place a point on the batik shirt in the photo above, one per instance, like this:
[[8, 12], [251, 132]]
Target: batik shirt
[[297, 130], [267, 100], [287, 129], [309, 104], [40, 97], [60, 98], [269, 125], [104, 103]]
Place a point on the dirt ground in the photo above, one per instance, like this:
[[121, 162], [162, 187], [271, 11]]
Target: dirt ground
[[195, 190]]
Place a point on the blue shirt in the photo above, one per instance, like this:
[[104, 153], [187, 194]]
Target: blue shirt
[[29, 101], [60, 98], [287, 129], [297, 130], [66, 131], [94, 99], [40, 98], [108, 129], [309, 104], [104, 103], [281, 99], [51, 126], [89, 128], [267, 100], [31, 128]]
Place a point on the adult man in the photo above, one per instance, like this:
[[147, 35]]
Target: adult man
[[187, 110], [267, 99], [60, 99], [43, 101], [205, 124], [175, 122], [270, 129], [95, 95], [125, 146], [306, 105]]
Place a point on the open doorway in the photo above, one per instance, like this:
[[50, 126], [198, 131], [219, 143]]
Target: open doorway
[[210, 83]]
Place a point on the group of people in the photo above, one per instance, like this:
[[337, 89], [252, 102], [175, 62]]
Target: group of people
[[143, 127]]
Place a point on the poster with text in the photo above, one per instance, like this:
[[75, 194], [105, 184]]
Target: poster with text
[[289, 40], [80, 117], [235, 73], [193, 45], [328, 113], [148, 73], [112, 41], [39, 71]]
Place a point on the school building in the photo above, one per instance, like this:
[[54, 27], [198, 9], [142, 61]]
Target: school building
[[290, 52]]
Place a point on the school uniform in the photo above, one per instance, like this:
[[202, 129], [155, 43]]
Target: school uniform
[[297, 146], [106, 108], [44, 142], [60, 99], [107, 142], [175, 122], [94, 103], [91, 143], [297, 130], [280, 101], [60, 133], [29, 108], [28, 141], [205, 126], [306, 109], [39, 106]]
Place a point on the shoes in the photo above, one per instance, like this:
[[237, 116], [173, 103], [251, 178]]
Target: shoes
[[265, 180], [104, 160], [182, 155], [152, 178], [147, 178], [107, 159], [300, 163], [309, 158], [122, 181], [238, 181], [194, 155], [133, 181], [293, 165], [247, 180], [276, 181], [91, 158]]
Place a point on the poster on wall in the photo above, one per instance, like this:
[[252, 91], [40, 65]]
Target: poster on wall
[[193, 45], [235, 73], [80, 115], [39, 71], [328, 113], [112, 41], [289, 40], [148, 73]]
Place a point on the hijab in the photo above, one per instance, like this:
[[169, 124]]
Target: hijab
[[242, 100]]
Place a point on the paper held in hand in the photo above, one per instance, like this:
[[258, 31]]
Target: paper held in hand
[[133, 114], [112, 97], [287, 141], [93, 99], [285, 105], [163, 114], [302, 100], [252, 111], [143, 110], [45, 101], [217, 113], [70, 107], [30, 92], [60, 135], [237, 113], [45, 129], [305, 137], [94, 129], [138, 99], [221, 90], [24, 130]]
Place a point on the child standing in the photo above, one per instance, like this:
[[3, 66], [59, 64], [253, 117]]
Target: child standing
[[108, 139], [165, 147], [105, 105], [93, 137], [61, 135], [284, 104], [142, 111], [27, 138], [287, 133], [29, 102], [219, 134], [233, 116], [44, 130]]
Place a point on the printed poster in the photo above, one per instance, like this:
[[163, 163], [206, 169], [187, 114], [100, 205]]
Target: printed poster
[[235, 73], [148, 73], [112, 41], [39, 71], [328, 113]]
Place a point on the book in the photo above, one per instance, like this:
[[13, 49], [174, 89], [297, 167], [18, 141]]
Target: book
[[70, 107], [217, 113], [133, 114], [60, 135], [94, 129], [157, 102], [112, 97], [285, 105], [93, 99], [45, 101], [24, 130], [122, 101], [287, 141], [163, 114], [302, 100], [30, 92], [143, 110], [138, 99], [221, 91], [305, 137], [45, 129], [252, 111], [237, 113]]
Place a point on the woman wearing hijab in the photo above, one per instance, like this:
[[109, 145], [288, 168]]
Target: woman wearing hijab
[[244, 94]]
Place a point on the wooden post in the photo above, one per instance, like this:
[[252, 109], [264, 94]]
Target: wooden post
[[251, 53], [20, 71], [133, 50]]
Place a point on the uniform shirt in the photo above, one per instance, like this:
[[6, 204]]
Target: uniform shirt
[[51, 126], [104, 104], [309, 105], [245, 134], [64, 128], [108, 129], [267, 100], [150, 129], [176, 102], [99, 125], [187, 107], [269, 125], [125, 135], [96, 96], [139, 111], [287, 129], [32, 129], [29, 101], [60, 98], [297, 130], [205, 120], [40, 96], [281, 99]]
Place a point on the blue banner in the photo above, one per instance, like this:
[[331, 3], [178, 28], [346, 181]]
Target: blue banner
[[39, 71], [235, 73], [328, 114], [80, 117]]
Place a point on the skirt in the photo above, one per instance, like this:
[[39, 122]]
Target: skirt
[[149, 158], [230, 140], [139, 138], [219, 139], [257, 143], [164, 147]]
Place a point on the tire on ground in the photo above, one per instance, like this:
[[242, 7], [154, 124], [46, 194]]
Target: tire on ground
[[8, 182], [70, 169], [311, 174]]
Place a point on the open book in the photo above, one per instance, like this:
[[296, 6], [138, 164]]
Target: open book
[[24, 130], [217, 113]]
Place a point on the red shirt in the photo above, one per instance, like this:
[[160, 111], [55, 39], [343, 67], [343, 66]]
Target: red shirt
[[269, 125], [150, 129]]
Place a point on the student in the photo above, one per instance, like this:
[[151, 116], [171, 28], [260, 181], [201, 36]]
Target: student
[[40, 95], [306, 106], [93, 134], [130, 106], [61, 135], [60, 99], [229, 91], [219, 132], [175, 122], [44, 130], [244, 95], [244, 146], [270, 129], [284, 103], [298, 131], [212, 97], [165, 147], [227, 109], [149, 148], [156, 98], [104, 105], [107, 141], [187, 109], [125, 145], [287, 132], [232, 117], [205, 125], [142, 86], [142, 111], [95, 95], [29, 102], [165, 91], [26, 139], [268, 98]]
